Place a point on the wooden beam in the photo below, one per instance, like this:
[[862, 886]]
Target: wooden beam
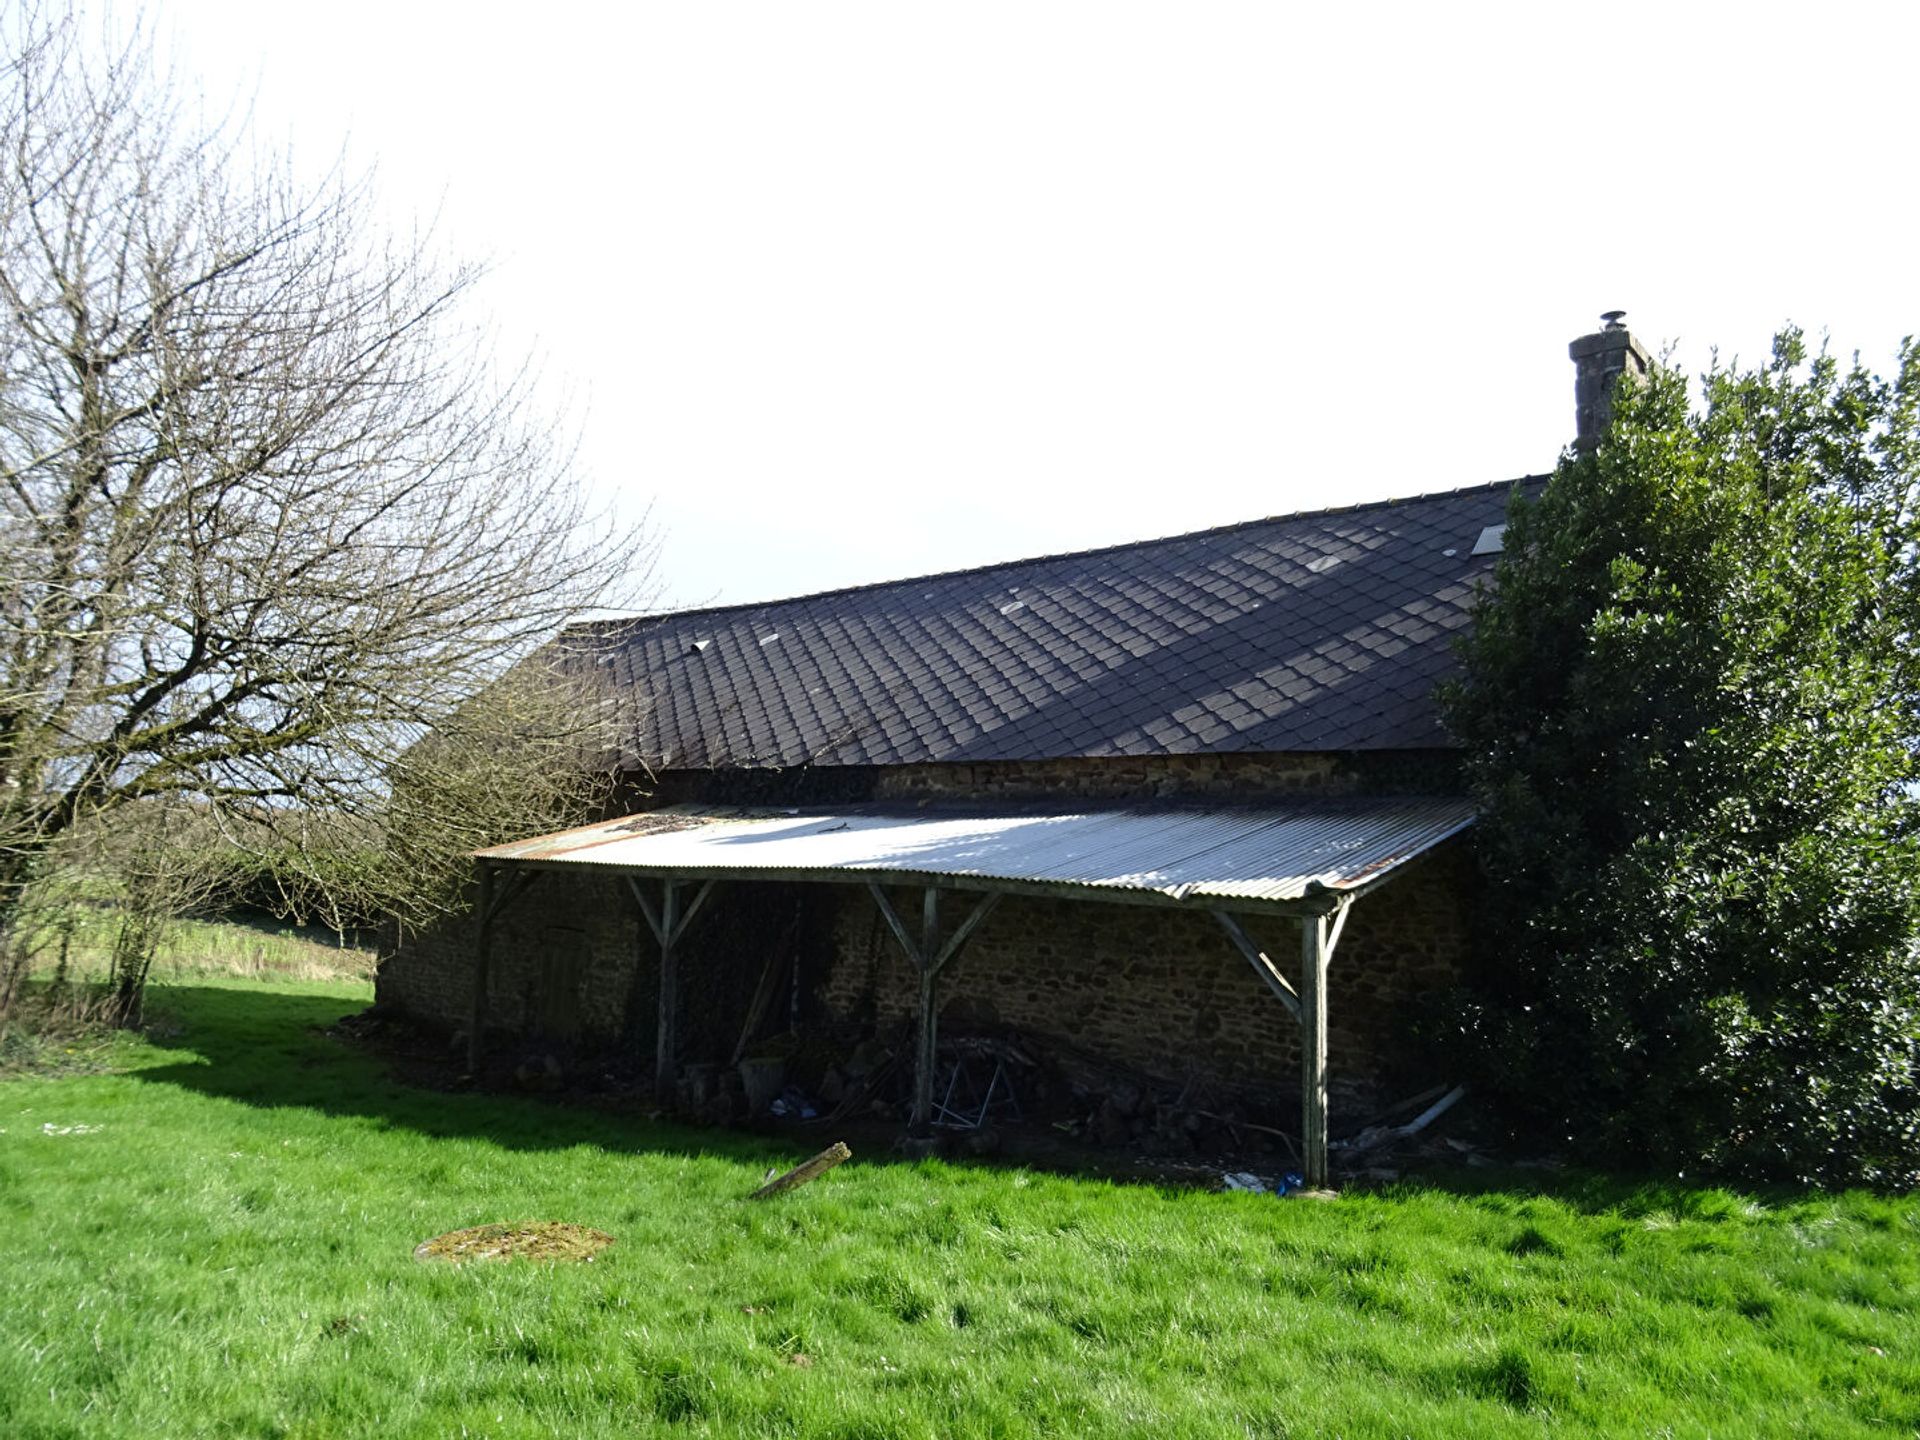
[[770, 975], [693, 909], [669, 922], [483, 943], [926, 1053], [648, 911], [667, 1036], [1263, 966], [982, 908], [895, 924], [1340, 913], [517, 884], [929, 955], [801, 1174], [1313, 1049]]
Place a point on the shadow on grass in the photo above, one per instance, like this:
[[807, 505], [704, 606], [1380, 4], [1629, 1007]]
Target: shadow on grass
[[268, 1049]]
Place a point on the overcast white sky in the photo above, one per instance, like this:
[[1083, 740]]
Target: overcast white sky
[[862, 290]]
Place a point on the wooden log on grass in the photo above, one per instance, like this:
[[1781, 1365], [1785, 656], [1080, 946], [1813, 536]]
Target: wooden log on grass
[[801, 1174]]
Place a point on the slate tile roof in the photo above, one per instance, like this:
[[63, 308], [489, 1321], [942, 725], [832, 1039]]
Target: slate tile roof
[[1320, 631]]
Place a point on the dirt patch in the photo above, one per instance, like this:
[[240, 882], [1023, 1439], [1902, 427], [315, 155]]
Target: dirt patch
[[530, 1240]]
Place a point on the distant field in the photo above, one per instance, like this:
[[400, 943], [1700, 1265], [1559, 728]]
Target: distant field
[[215, 1239], [259, 948], [263, 951]]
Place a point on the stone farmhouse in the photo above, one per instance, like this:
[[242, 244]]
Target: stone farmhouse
[[1186, 804]]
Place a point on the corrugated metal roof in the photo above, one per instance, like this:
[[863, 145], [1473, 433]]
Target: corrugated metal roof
[[1313, 632], [1268, 855]]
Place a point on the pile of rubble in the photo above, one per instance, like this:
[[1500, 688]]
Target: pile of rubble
[[985, 1083]]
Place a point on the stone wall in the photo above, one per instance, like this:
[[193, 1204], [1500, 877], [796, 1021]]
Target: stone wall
[[562, 967], [1161, 990], [1221, 777], [1199, 776], [1164, 990], [574, 968]]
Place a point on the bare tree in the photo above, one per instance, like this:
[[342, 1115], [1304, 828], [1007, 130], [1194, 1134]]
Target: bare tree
[[268, 515], [533, 752], [155, 862], [141, 866]]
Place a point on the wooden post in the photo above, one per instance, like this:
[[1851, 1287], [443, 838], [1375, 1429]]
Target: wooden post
[[927, 1055], [929, 924], [1313, 1048], [667, 1038], [929, 955], [668, 923], [482, 948]]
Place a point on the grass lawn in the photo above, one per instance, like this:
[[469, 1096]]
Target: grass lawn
[[213, 1236]]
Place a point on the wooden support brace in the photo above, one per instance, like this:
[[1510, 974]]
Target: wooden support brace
[[1340, 914], [517, 884], [981, 909], [648, 910], [895, 924], [695, 906], [1264, 967]]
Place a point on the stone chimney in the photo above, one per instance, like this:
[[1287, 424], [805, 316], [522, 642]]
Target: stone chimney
[[1599, 360]]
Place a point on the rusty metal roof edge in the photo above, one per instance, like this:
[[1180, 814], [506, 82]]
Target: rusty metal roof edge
[[1382, 869]]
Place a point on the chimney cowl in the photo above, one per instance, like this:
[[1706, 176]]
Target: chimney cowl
[[1599, 360]]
